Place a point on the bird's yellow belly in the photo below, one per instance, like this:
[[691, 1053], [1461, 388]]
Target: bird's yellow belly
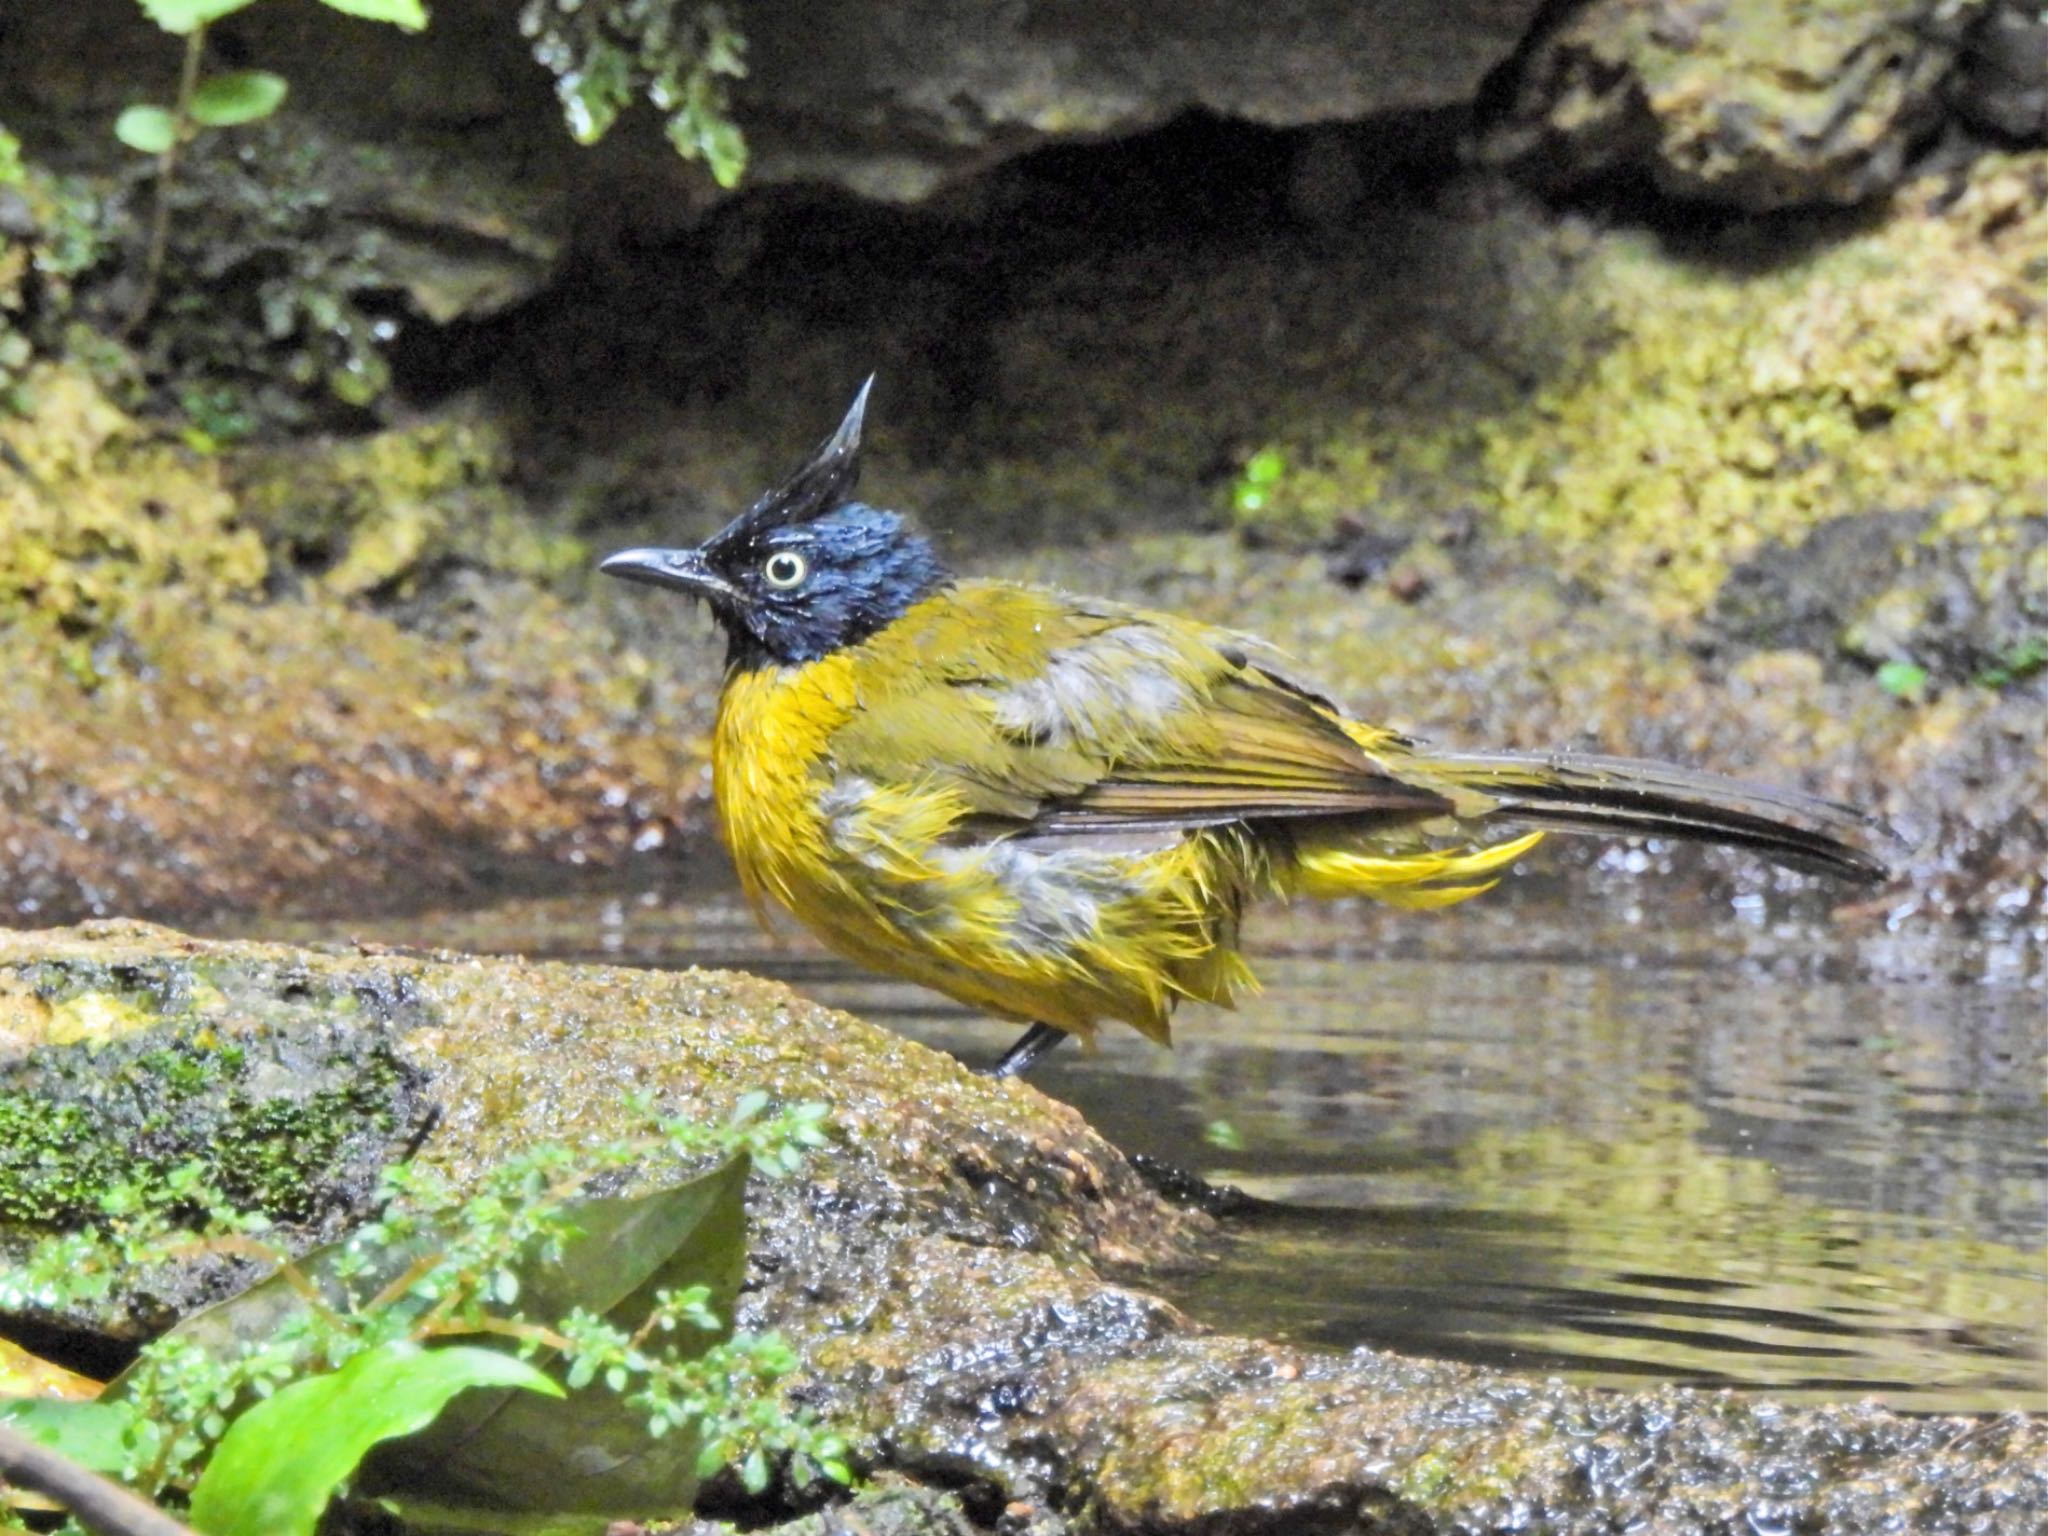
[[1061, 934]]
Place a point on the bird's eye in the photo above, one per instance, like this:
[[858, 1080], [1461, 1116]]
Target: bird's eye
[[784, 569]]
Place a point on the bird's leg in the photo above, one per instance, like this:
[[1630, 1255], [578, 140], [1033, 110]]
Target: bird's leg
[[1032, 1047]]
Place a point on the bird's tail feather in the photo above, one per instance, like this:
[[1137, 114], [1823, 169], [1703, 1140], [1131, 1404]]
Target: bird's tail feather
[[1620, 795]]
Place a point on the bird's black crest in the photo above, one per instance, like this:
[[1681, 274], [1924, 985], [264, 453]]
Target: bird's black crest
[[824, 481]]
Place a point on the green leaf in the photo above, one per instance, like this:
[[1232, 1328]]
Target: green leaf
[[409, 14], [281, 1462], [240, 96], [725, 152], [149, 129], [87, 1432], [1902, 679], [590, 1455], [181, 16]]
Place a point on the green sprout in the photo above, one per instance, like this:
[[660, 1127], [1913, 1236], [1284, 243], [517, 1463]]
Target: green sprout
[[1903, 680], [2016, 663], [587, 1332], [230, 99], [1254, 488]]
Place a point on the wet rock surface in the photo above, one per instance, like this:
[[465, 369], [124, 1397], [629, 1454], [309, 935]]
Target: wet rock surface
[[943, 1270]]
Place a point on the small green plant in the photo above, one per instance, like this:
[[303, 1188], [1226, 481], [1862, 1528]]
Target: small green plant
[[576, 1331], [1223, 1136], [225, 100], [606, 53], [1903, 680], [1253, 489], [2016, 663]]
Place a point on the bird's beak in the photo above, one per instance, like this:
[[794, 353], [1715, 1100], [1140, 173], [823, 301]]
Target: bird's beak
[[683, 569]]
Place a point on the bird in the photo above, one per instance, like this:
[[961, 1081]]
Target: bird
[[1056, 809]]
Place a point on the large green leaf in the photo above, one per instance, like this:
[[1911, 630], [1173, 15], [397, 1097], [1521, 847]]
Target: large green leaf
[[181, 16], [236, 97], [409, 14], [283, 1460], [149, 129], [589, 1455]]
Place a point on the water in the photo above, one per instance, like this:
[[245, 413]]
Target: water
[[1559, 1133]]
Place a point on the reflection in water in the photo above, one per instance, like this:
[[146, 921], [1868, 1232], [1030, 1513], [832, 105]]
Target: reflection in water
[[1727, 1152]]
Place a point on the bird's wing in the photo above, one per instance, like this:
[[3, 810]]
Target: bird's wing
[[1075, 717]]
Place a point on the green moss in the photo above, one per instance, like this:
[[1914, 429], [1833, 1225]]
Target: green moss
[[52, 1165], [136, 1073], [105, 515], [1713, 409], [378, 514]]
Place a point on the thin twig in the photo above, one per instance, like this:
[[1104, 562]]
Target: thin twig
[[166, 175], [415, 1272], [101, 1505], [505, 1327]]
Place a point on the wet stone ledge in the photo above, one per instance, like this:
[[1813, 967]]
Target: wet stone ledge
[[944, 1269]]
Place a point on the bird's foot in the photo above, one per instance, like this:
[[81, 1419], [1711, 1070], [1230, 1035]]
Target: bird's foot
[[1036, 1043]]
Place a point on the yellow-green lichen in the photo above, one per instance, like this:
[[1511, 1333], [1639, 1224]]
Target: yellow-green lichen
[[1900, 367], [100, 512], [1897, 369], [376, 514]]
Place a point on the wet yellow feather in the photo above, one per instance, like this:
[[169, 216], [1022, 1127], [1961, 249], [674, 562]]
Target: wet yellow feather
[[849, 791]]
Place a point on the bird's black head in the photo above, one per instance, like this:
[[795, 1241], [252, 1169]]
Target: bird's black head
[[806, 569]]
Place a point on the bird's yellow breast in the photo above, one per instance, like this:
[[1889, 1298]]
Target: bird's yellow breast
[[770, 760], [883, 872]]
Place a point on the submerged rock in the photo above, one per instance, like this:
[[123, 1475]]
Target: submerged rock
[[944, 1270]]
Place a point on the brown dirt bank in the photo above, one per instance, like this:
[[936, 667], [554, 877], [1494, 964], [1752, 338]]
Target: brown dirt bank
[[1769, 498]]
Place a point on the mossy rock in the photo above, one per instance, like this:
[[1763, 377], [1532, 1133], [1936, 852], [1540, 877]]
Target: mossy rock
[[284, 1095], [940, 1268], [383, 515], [1762, 104], [1730, 395], [103, 513]]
